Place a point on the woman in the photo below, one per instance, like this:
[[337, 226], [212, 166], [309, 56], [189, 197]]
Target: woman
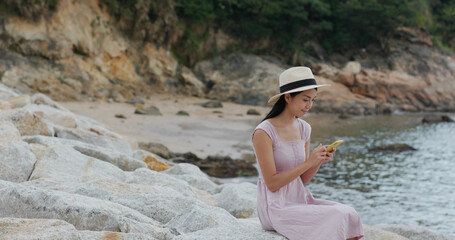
[[282, 146]]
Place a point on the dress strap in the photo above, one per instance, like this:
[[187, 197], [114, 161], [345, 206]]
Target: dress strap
[[267, 127]]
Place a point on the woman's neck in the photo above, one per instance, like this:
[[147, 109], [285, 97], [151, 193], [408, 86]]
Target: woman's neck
[[286, 118]]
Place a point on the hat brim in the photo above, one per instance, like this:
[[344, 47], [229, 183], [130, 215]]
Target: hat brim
[[276, 97]]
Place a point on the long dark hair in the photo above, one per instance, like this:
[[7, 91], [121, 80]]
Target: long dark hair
[[279, 106]]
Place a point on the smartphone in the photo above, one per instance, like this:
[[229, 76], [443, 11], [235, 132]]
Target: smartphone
[[334, 145]]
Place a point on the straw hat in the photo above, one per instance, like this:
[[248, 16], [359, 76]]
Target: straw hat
[[296, 79]]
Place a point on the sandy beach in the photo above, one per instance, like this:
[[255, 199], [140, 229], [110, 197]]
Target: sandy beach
[[206, 131]]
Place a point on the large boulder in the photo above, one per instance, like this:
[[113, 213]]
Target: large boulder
[[63, 163], [240, 78], [193, 176], [82, 212], [6, 92], [53, 115], [25, 229], [94, 137], [16, 158], [199, 217], [238, 199], [118, 159], [27, 122], [248, 229], [159, 203]]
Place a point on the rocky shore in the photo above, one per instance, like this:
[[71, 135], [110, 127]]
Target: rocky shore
[[66, 176]]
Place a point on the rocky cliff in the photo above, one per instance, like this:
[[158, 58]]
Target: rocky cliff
[[77, 53]]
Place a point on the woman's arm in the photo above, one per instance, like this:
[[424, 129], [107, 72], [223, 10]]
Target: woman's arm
[[263, 147], [308, 175]]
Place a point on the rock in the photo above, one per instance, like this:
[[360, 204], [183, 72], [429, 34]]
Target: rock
[[344, 115], [253, 112], [141, 155], [375, 233], [437, 119], [6, 92], [414, 233], [104, 235], [26, 122], [190, 83], [143, 177], [183, 113], [346, 78], [84, 213], [224, 166], [159, 63], [24, 229], [398, 147], [240, 78], [245, 229], [19, 101], [155, 164], [53, 115], [87, 124], [156, 148], [339, 98], [120, 116], [197, 217], [154, 111], [17, 160], [134, 101], [193, 176], [212, 104], [57, 161], [238, 199], [95, 137], [118, 159], [41, 99], [352, 67], [9, 132], [157, 202]]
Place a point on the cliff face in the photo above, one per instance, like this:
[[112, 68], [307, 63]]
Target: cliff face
[[77, 52]]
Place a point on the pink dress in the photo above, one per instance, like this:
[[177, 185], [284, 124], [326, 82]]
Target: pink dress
[[291, 210]]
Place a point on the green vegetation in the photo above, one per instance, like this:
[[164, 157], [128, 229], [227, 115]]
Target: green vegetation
[[275, 27], [31, 9]]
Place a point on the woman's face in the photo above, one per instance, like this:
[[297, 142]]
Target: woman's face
[[301, 103]]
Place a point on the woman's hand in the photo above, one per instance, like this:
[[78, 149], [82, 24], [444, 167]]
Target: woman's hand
[[318, 156], [328, 155]]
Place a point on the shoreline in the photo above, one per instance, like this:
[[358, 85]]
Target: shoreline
[[206, 131]]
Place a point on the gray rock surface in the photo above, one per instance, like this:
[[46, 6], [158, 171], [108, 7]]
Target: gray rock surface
[[104, 235], [238, 199], [112, 156], [82, 212], [375, 233], [16, 159], [248, 229], [54, 115], [26, 122], [63, 163], [94, 137], [198, 217], [26, 229], [193, 176], [414, 233], [6, 92]]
